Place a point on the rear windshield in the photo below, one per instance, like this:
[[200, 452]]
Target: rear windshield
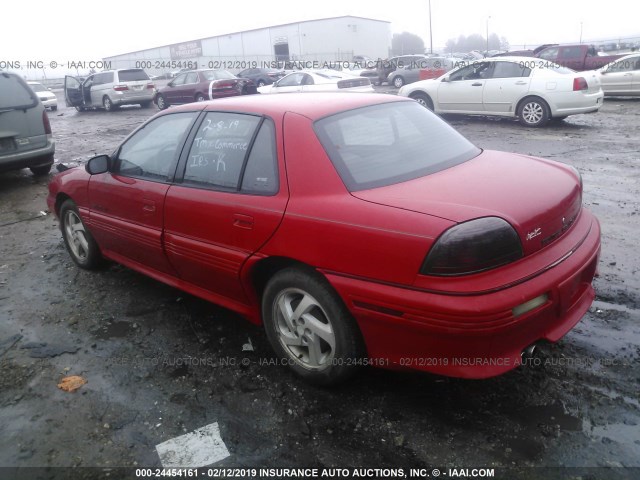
[[218, 75], [15, 94], [391, 143], [38, 87], [132, 75]]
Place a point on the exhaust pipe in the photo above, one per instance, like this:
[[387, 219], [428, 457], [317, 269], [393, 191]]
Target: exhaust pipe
[[529, 351]]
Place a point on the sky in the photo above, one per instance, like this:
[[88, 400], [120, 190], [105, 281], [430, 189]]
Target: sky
[[68, 30]]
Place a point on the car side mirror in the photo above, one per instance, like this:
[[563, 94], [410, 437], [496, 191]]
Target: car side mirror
[[97, 165], [445, 79]]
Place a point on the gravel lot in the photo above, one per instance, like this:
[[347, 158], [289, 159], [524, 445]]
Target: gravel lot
[[160, 363]]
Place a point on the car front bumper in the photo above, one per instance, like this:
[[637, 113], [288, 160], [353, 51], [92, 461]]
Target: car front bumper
[[473, 335]]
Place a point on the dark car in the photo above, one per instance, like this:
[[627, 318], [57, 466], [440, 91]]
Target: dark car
[[201, 85], [345, 223], [262, 76], [25, 131]]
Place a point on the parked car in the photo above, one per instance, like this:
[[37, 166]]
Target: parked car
[[432, 67], [262, 76], [318, 80], [25, 131], [46, 96], [622, 76], [438, 66], [358, 228], [201, 85], [522, 87], [109, 90], [385, 67], [576, 57]]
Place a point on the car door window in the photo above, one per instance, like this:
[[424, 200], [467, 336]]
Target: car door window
[[292, 80], [151, 151], [191, 78], [179, 80], [307, 80], [261, 173], [571, 53], [550, 53], [219, 150], [474, 71], [510, 70]]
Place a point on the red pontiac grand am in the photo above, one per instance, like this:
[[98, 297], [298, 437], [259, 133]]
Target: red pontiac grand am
[[358, 228]]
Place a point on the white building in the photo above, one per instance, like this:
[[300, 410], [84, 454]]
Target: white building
[[320, 41]]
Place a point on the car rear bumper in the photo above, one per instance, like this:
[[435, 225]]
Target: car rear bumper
[[38, 157], [577, 103], [471, 336]]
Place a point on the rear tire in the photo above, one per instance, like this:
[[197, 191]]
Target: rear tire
[[398, 82], [108, 104], [533, 112], [310, 328], [40, 171], [199, 98], [82, 248]]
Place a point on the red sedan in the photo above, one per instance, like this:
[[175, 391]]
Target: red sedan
[[201, 85], [358, 228]]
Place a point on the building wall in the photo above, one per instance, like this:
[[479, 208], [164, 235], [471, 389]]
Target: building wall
[[325, 40]]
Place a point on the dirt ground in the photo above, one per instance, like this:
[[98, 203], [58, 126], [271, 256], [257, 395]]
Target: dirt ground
[[160, 363]]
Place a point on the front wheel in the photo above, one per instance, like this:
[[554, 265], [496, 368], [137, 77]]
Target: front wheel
[[533, 112], [199, 98], [161, 102], [310, 328], [423, 99], [82, 247]]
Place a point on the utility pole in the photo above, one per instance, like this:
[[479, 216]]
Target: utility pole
[[430, 31], [487, 52]]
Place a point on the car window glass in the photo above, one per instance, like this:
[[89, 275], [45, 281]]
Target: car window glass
[[571, 52], [261, 173], [550, 53], [307, 80], [510, 70], [179, 80], [151, 151], [292, 80], [218, 151], [191, 78], [133, 75], [391, 143], [473, 72], [14, 93]]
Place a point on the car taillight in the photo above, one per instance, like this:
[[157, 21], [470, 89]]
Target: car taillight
[[579, 83], [472, 247], [120, 88], [46, 123]]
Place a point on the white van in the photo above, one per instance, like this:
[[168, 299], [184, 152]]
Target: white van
[[109, 90]]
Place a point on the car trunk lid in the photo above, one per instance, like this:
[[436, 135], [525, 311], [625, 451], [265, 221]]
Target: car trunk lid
[[539, 198]]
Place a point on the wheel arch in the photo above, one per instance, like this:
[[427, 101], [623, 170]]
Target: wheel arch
[[530, 96], [60, 199]]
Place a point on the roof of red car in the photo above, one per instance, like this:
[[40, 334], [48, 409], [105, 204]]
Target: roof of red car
[[312, 105]]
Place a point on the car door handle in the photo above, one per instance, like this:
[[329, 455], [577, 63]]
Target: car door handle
[[149, 206], [242, 221], [477, 84], [521, 83]]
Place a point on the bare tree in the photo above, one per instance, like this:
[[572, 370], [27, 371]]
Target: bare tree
[[406, 43]]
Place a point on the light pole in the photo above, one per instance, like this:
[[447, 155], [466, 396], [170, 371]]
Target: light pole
[[580, 33], [430, 31], [487, 52]]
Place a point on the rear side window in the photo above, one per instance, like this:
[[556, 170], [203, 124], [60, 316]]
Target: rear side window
[[385, 144], [15, 94], [133, 75], [234, 152]]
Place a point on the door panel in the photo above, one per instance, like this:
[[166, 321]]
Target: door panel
[[461, 95]]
